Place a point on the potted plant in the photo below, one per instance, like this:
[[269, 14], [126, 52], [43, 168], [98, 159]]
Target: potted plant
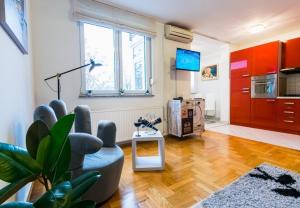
[[46, 159]]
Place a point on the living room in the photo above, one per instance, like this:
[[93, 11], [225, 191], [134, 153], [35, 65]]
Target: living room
[[125, 78]]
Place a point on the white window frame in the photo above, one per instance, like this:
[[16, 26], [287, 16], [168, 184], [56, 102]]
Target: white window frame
[[118, 65]]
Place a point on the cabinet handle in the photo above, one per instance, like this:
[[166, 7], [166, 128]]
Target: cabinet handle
[[270, 100], [288, 121], [246, 75], [245, 92], [273, 72], [289, 112], [289, 103], [261, 83], [246, 89]]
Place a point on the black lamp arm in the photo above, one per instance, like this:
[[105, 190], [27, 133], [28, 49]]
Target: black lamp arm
[[66, 72], [58, 75]]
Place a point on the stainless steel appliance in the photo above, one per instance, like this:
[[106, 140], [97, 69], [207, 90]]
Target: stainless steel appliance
[[264, 86]]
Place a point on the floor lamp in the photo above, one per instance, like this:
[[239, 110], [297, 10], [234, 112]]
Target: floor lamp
[[92, 65]]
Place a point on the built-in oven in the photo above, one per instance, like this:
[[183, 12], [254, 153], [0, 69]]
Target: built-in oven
[[264, 86]]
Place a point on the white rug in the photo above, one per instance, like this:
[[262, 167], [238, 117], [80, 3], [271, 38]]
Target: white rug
[[264, 187]]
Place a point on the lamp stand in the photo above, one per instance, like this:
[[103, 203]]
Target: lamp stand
[[58, 86]]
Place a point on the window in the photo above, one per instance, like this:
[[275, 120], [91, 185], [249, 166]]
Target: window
[[125, 59]]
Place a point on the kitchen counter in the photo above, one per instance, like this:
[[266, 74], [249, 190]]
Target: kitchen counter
[[286, 97]]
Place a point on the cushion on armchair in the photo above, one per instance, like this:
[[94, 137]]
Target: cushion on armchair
[[59, 108], [83, 119], [82, 144], [107, 133], [46, 114]]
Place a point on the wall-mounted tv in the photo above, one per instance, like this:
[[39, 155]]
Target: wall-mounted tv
[[188, 60]]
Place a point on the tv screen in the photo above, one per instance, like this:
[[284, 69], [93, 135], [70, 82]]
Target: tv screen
[[187, 60]]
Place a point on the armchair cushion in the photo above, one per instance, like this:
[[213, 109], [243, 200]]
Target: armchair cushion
[[59, 108], [81, 144], [109, 163], [107, 133], [46, 114], [83, 119]]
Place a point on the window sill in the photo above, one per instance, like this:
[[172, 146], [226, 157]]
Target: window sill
[[113, 95]]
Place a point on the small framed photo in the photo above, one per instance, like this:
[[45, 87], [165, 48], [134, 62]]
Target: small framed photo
[[210, 72]]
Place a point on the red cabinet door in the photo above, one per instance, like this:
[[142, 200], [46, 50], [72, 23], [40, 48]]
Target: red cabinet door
[[241, 63], [263, 113], [240, 101], [292, 53], [266, 58]]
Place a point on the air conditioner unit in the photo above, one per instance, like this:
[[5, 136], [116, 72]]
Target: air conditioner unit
[[178, 34]]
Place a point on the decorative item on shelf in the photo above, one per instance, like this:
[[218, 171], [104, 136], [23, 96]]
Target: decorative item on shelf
[[13, 20], [143, 123], [92, 65], [210, 72]]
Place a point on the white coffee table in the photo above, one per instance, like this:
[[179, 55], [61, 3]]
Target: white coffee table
[[148, 163]]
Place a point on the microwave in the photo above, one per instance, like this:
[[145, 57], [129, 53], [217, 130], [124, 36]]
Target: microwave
[[264, 86]]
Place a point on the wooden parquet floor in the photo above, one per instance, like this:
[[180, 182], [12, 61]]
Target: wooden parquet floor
[[195, 168]]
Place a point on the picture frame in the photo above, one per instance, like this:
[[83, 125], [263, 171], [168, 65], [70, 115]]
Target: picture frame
[[13, 19], [210, 72]]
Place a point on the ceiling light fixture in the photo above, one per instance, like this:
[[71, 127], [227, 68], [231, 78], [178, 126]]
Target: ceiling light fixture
[[257, 28]]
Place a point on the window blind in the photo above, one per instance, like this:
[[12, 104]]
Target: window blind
[[94, 12]]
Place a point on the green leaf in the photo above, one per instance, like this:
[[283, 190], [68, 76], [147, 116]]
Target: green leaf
[[79, 180], [80, 186], [57, 197], [16, 163], [36, 132], [42, 153], [65, 177], [17, 205], [12, 188], [63, 163], [84, 204], [67, 193], [60, 155]]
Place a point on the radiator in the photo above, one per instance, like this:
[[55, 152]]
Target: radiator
[[124, 119]]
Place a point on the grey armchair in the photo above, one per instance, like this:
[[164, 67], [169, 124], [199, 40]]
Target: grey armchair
[[89, 153]]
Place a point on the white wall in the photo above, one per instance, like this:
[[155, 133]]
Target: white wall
[[17, 101], [57, 48], [176, 83], [214, 52]]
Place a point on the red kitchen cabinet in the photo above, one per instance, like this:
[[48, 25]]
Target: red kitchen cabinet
[[240, 107], [263, 113], [240, 98], [292, 53], [241, 63], [288, 115], [266, 59]]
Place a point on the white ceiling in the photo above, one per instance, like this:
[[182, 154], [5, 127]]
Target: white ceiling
[[225, 20]]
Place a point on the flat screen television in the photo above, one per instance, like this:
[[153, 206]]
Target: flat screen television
[[188, 60]]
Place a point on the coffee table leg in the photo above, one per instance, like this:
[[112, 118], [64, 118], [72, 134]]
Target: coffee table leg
[[133, 155], [161, 150]]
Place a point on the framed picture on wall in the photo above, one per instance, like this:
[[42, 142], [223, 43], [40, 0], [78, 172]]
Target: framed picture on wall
[[14, 22], [210, 72]]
